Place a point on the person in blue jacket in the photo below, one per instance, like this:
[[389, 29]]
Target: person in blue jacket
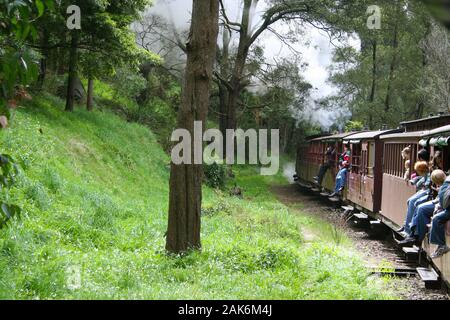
[[341, 179]]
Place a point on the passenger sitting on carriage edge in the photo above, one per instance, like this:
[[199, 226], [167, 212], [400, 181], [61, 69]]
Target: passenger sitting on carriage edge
[[424, 212], [421, 168], [437, 235], [341, 179], [419, 181], [424, 183], [345, 156], [330, 157]]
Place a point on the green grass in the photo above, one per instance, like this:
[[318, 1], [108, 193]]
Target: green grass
[[94, 192]]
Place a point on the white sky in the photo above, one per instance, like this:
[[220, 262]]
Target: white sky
[[317, 53]]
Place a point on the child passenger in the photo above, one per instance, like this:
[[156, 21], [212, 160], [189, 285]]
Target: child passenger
[[406, 156], [421, 196], [424, 212]]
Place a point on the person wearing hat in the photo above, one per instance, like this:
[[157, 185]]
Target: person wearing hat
[[341, 179]]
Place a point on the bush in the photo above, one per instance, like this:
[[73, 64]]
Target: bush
[[215, 175]]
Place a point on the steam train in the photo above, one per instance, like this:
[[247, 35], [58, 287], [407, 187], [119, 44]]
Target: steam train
[[376, 188]]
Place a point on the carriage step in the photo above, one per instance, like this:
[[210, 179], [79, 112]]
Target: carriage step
[[361, 216], [315, 189], [303, 185], [411, 253], [430, 278], [347, 208], [335, 199], [324, 194], [377, 229], [361, 220]]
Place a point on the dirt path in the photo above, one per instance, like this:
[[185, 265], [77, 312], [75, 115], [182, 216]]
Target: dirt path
[[374, 252]]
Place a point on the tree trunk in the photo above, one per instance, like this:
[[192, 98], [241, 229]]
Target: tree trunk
[[421, 103], [387, 101], [374, 71], [374, 80], [236, 82], [186, 179], [44, 59], [90, 95], [72, 72], [223, 90]]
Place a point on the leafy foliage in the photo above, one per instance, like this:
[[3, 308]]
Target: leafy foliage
[[354, 126], [8, 173], [107, 221], [215, 175], [18, 62], [389, 79]]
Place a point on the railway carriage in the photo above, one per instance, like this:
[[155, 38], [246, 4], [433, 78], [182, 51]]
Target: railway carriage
[[311, 156], [365, 178], [439, 139], [396, 190], [377, 184]]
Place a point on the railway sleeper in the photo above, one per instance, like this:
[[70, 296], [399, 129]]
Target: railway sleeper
[[397, 272]]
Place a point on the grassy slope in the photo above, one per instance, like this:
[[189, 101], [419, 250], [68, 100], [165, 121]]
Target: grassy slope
[[94, 190]]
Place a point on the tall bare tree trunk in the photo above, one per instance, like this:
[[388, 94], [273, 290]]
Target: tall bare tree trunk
[[90, 95], [237, 82], [44, 58], [420, 108], [72, 72], [393, 66], [186, 179], [224, 74], [374, 79]]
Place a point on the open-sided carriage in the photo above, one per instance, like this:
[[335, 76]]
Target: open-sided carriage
[[365, 178], [376, 183], [312, 155]]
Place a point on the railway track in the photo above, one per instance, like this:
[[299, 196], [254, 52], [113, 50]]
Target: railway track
[[383, 257]]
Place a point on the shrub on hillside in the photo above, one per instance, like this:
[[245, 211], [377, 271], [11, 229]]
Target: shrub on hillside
[[215, 175]]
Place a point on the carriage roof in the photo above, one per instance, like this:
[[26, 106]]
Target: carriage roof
[[414, 134], [334, 137], [439, 137], [369, 135]]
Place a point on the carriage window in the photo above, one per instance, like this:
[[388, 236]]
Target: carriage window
[[371, 159], [394, 164], [356, 158]]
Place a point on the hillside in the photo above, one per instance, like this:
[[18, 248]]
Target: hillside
[[94, 194]]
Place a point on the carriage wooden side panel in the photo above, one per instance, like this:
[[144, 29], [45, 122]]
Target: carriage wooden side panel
[[397, 190], [365, 178]]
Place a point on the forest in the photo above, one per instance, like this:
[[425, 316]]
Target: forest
[[92, 206]]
